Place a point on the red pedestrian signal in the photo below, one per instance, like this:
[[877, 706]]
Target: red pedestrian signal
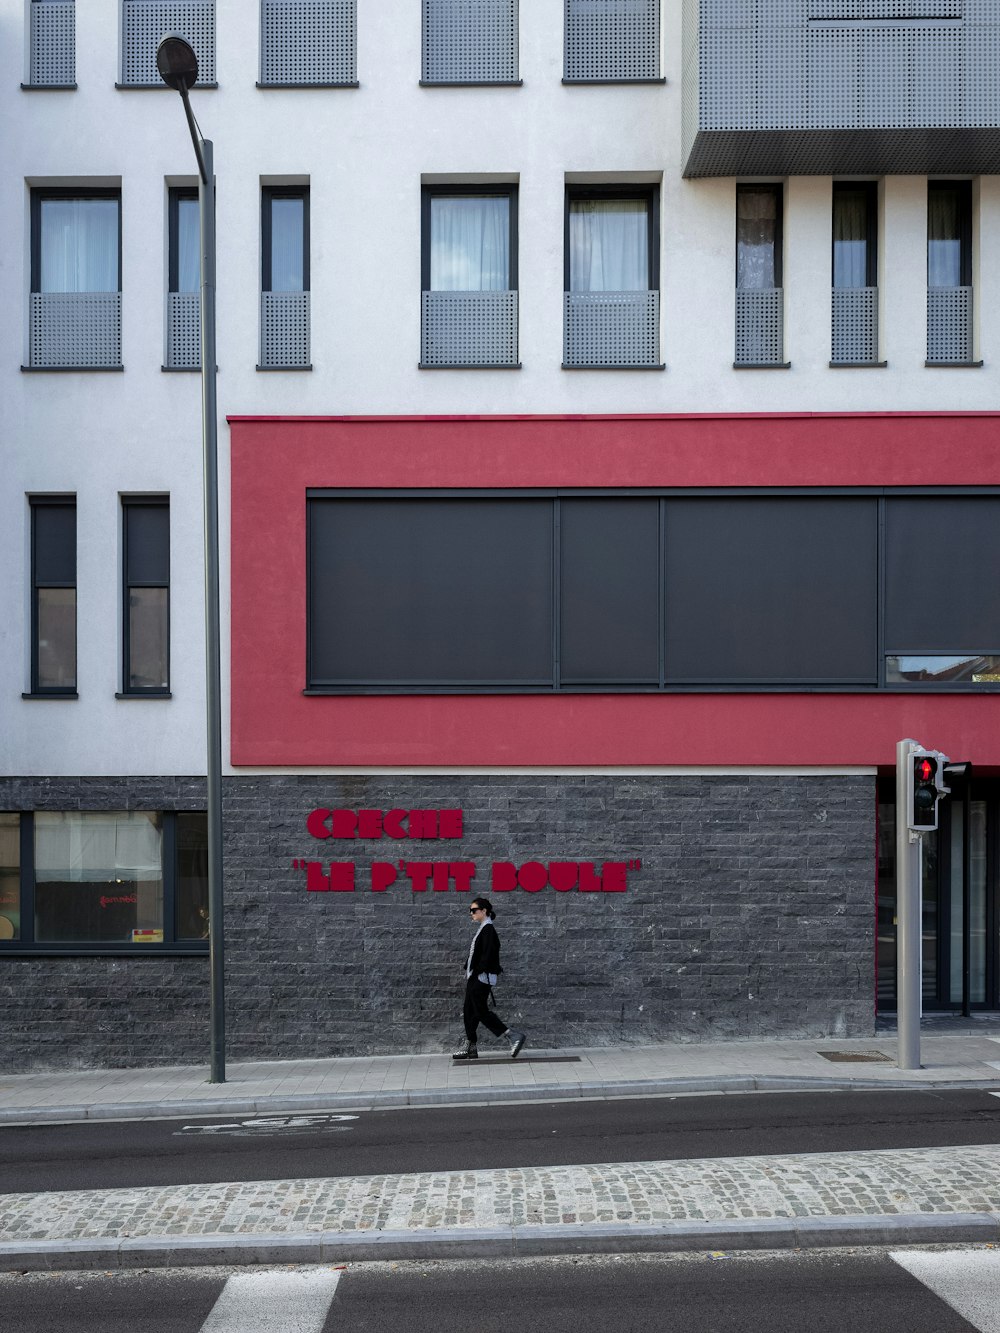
[[926, 788]]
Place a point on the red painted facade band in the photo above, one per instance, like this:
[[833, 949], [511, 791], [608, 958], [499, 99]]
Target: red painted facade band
[[275, 461]]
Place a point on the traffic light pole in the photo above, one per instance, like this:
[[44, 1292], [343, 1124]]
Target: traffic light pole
[[908, 914]]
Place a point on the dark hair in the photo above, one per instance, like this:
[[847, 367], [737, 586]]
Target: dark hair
[[487, 907]]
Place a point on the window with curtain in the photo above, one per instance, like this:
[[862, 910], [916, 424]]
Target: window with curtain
[[949, 234], [758, 237], [854, 233], [185, 244], [75, 242], [609, 244], [285, 239], [467, 242]]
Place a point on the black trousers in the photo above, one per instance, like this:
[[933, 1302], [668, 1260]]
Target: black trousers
[[477, 1011]]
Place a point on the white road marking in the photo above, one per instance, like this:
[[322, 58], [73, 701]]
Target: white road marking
[[967, 1280], [282, 1302], [274, 1124], [995, 1094]]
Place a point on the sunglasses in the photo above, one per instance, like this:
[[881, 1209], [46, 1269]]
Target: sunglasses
[[474, 910]]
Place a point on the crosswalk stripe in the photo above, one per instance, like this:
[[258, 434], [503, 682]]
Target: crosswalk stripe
[[295, 1302], [967, 1280]]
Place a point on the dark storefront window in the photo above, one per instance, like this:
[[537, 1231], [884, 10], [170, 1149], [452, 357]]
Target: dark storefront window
[[545, 591], [113, 881]]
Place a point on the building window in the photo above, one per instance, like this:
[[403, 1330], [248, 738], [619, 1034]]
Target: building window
[[53, 596], [284, 310], [143, 24], [75, 318], [855, 274], [308, 42], [949, 272], [183, 347], [113, 881], [612, 299], [759, 295], [612, 41], [467, 42], [469, 277], [52, 44], [146, 596]]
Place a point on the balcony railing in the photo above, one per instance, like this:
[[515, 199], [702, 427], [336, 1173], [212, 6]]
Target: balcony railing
[[143, 24], [306, 42], [949, 325], [284, 331], [52, 62], [468, 329], [611, 329], [75, 330], [467, 42], [612, 40], [760, 327], [855, 326], [183, 331]]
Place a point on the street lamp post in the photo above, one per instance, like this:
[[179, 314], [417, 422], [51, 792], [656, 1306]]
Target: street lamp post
[[178, 66]]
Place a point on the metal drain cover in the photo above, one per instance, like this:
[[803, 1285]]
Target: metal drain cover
[[856, 1057]]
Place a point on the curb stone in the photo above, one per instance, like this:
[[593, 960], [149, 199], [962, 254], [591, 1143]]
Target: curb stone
[[399, 1100], [778, 1233]]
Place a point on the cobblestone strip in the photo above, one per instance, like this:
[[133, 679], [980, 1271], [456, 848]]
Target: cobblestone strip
[[815, 1185]]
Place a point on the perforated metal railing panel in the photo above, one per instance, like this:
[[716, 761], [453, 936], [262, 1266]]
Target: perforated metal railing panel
[[612, 39], [53, 43], [611, 329], [183, 331], [284, 329], [855, 325], [949, 324], [883, 9], [470, 41], [309, 41], [760, 327], [143, 24], [468, 328], [82, 329]]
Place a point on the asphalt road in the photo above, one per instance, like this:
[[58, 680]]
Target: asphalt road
[[215, 1149], [864, 1291]]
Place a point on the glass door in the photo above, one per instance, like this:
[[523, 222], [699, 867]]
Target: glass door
[[961, 929]]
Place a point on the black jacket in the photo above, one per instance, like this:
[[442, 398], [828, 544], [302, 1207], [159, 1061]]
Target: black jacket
[[486, 951]]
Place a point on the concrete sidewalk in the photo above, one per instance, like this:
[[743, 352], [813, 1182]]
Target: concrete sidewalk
[[965, 1058]]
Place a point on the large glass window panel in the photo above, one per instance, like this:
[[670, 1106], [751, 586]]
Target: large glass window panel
[[435, 591], [185, 268], [77, 245], [192, 877], [771, 590], [757, 224], [948, 234], [10, 876], [942, 579], [148, 634], [470, 243], [853, 236], [56, 643], [609, 245], [99, 877], [609, 622], [287, 252]]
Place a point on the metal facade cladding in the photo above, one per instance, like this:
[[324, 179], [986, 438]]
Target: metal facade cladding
[[276, 460]]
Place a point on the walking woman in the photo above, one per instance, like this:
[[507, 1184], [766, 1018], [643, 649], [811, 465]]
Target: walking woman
[[482, 970]]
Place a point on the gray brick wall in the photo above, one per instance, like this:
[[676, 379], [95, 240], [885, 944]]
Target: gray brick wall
[[752, 915]]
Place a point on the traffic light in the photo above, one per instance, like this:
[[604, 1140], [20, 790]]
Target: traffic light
[[926, 787]]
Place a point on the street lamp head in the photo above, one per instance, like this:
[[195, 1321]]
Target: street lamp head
[[177, 62]]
